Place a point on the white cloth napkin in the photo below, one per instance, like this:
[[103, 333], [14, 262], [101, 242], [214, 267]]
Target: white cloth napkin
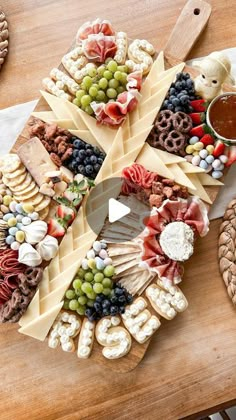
[[13, 119]]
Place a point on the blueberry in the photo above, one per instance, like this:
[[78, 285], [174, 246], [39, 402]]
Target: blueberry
[[97, 167], [78, 144], [118, 291], [81, 169], [114, 310], [106, 312], [166, 102], [87, 146], [88, 169], [93, 159], [82, 154], [178, 86], [172, 91], [100, 161], [97, 307], [184, 99], [189, 83], [179, 76], [184, 92], [106, 303], [129, 298], [99, 298], [186, 76], [96, 151], [122, 299], [121, 309], [114, 300], [178, 109], [78, 161], [102, 155], [87, 161], [73, 138], [75, 153], [89, 152], [170, 107], [175, 102], [89, 312], [171, 98], [73, 165]]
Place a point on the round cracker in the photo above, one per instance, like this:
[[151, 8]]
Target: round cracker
[[15, 181], [9, 163], [43, 204], [35, 200], [20, 183], [20, 171], [26, 195], [25, 190]]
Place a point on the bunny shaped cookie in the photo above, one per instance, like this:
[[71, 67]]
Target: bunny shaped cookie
[[214, 70]]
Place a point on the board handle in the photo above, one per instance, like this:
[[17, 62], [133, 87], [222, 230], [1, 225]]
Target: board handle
[[189, 26]]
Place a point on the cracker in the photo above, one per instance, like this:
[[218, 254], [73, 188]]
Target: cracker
[[42, 204], [9, 163], [26, 195], [15, 182], [43, 213], [35, 200], [24, 189], [20, 171]]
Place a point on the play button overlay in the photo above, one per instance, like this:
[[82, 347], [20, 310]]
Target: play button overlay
[[116, 210], [115, 216]]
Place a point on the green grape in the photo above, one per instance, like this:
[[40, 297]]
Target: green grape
[[101, 96], [98, 288], [113, 83], [108, 60], [92, 72], [85, 100], [100, 70], [112, 66], [66, 304], [93, 91], [79, 292], [80, 93], [108, 74], [91, 295], [77, 283], [123, 69], [88, 276], [86, 287], [76, 102], [87, 81], [81, 310], [81, 272], [70, 294], [111, 93], [96, 85], [89, 110], [106, 291], [124, 78], [95, 271], [109, 271], [118, 75], [73, 304], [82, 300], [120, 89], [90, 303], [103, 83], [83, 87], [107, 282], [98, 278]]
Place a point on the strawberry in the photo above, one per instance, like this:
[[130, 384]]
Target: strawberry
[[198, 131], [231, 155], [199, 105], [67, 214], [56, 228], [207, 139], [219, 149], [197, 117]]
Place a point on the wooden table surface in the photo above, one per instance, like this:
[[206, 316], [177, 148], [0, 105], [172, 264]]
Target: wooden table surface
[[190, 366]]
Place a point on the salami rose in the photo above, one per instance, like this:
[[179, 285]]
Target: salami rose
[[99, 47], [113, 113], [95, 27]]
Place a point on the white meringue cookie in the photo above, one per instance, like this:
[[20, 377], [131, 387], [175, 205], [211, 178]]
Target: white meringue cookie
[[35, 232], [29, 256], [47, 248]]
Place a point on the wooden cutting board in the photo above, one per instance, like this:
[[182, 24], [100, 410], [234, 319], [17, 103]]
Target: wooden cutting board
[[188, 28]]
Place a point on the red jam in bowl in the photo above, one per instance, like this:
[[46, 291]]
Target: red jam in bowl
[[222, 116]]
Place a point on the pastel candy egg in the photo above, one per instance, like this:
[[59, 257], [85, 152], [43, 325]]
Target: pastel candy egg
[[198, 146], [85, 264], [216, 164], [221, 167], [203, 164], [91, 263], [26, 220], [10, 239], [7, 199], [193, 140], [103, 245], [12, 206], [12, 222], [108, 261], [99, 263], [28, 208], [8, 216], [103, 254], [217, 174], [189, 158], [210, 159], [203, 153], [97, 246], [19, 217], [196, 153], [13, 231], [15, 246], [210, 148], [20, 236], [223, 158], [19, 208], [34, 215], [196, 160], [90, 254], [19, 225], [189, 149]]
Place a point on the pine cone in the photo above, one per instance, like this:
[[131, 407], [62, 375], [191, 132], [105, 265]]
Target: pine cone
[[3, 38]]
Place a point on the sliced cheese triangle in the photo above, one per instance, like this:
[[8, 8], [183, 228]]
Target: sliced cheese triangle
[[199, 189], [152, 162]]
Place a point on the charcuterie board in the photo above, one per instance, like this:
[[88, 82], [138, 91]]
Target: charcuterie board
[[123, 147]]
